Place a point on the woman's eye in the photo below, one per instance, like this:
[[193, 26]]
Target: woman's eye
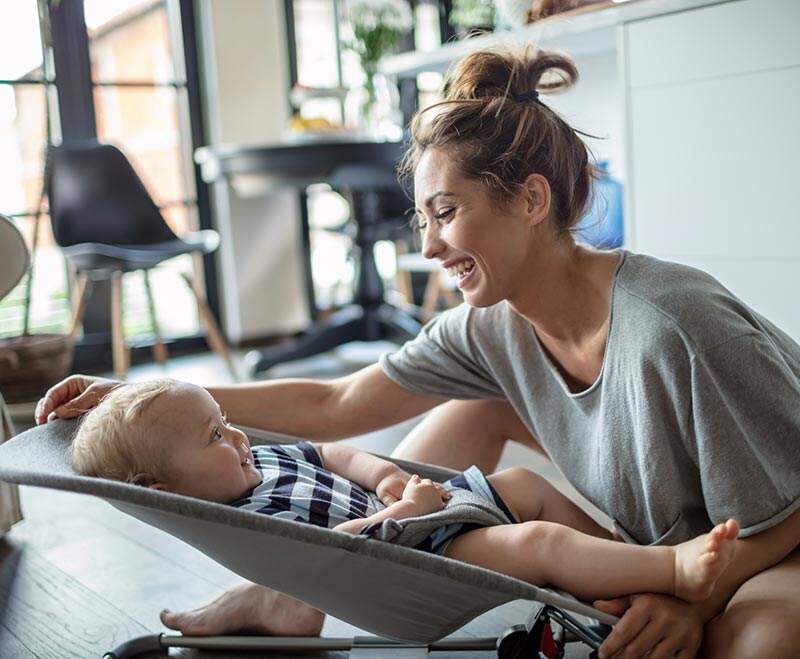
[[445, 214]]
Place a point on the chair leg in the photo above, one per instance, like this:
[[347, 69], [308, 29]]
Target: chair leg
[[80, 299], [431, 299], [213, 334], [403, 277], [159, 349], [119, 350]]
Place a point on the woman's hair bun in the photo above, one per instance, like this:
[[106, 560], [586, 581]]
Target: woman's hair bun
[[490, 74]]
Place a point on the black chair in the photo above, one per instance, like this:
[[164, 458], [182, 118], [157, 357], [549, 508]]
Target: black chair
[[107, 224], [377, 213]]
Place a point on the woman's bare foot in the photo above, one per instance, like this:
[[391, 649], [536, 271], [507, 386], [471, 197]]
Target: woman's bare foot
[[701, 561], [250, 608]]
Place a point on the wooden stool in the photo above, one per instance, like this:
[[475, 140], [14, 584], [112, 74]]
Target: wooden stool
[[120, 350]]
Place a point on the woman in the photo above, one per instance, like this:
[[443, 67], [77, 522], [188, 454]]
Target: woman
[[666, 401]]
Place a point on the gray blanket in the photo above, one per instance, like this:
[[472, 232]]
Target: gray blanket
[[464, 507]]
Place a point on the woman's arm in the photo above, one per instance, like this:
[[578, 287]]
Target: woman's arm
[[315, 409], [323, 410]]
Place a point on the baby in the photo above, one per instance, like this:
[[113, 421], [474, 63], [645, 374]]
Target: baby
[[173, 436]]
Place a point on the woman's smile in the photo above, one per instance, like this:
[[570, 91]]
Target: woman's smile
[[462, 270]]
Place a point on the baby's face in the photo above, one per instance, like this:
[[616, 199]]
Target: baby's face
[[208, 458]]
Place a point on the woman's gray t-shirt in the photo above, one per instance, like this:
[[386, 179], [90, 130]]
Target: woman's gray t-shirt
[[694, 418]]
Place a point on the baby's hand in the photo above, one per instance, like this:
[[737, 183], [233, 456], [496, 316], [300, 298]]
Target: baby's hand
[[390, 488], [425, 495]]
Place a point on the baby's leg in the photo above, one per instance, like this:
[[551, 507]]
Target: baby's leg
[[593, 568], [531, 497]]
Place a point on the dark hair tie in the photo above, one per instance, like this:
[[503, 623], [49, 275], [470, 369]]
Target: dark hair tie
[[532, 96]]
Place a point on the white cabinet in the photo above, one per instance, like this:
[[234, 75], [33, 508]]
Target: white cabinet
[[713, 146]]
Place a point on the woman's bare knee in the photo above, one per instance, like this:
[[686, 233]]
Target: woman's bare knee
[[753, 631]]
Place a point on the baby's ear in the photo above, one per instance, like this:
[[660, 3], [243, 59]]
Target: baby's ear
[[146, 480]]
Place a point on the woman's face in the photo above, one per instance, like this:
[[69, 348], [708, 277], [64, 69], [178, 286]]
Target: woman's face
[[485, 247]]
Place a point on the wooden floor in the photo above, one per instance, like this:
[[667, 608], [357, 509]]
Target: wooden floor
[[78, 577]]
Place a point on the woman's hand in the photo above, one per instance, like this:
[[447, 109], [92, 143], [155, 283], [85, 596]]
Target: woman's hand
[[72, 397], [424, 495], [655, 626], [390, 488]]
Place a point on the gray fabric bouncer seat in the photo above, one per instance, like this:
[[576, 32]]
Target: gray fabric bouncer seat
[[384, 588]]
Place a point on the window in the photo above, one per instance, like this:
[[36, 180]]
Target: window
[[141, 106], [26, 88]]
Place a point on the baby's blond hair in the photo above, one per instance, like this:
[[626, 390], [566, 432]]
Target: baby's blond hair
[[113, 440]]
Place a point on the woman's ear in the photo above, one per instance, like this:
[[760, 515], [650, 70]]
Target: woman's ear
[[537, 198]]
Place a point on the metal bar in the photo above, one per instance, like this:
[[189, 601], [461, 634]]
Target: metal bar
[[575, 627], [73, 70], [297, 643], [177, 84], [199, 137], [28, 81]]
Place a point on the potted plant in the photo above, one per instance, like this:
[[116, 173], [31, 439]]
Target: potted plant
[[377, 26]]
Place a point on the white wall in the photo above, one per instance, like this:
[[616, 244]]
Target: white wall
[[246, 80], [714, 144]]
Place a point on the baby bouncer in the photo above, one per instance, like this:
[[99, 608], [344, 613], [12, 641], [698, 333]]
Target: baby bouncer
[[409, 599]]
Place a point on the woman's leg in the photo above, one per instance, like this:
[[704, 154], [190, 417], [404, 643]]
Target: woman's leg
[[461, 433], [248, 608], [593, 568], [762, 618]]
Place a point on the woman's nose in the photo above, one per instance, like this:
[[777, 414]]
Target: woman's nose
[[432, 244]]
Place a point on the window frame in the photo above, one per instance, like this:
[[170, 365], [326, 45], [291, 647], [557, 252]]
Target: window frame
[[76, 112]]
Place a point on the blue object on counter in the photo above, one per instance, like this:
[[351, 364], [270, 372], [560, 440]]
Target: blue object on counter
[[602, 225]]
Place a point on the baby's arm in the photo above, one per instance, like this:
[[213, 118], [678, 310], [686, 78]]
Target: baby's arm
[[421, 496], [398, 510], [358, 466]]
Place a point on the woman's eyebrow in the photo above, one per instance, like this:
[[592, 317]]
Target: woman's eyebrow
[[440, 193]]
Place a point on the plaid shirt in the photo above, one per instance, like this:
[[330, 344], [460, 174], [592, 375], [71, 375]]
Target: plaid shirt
[[296, 486]]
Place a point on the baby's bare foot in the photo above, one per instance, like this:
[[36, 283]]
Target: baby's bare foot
[[248, 608], [701, 561]]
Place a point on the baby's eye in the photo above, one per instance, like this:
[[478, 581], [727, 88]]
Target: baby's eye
[[216, 435]]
